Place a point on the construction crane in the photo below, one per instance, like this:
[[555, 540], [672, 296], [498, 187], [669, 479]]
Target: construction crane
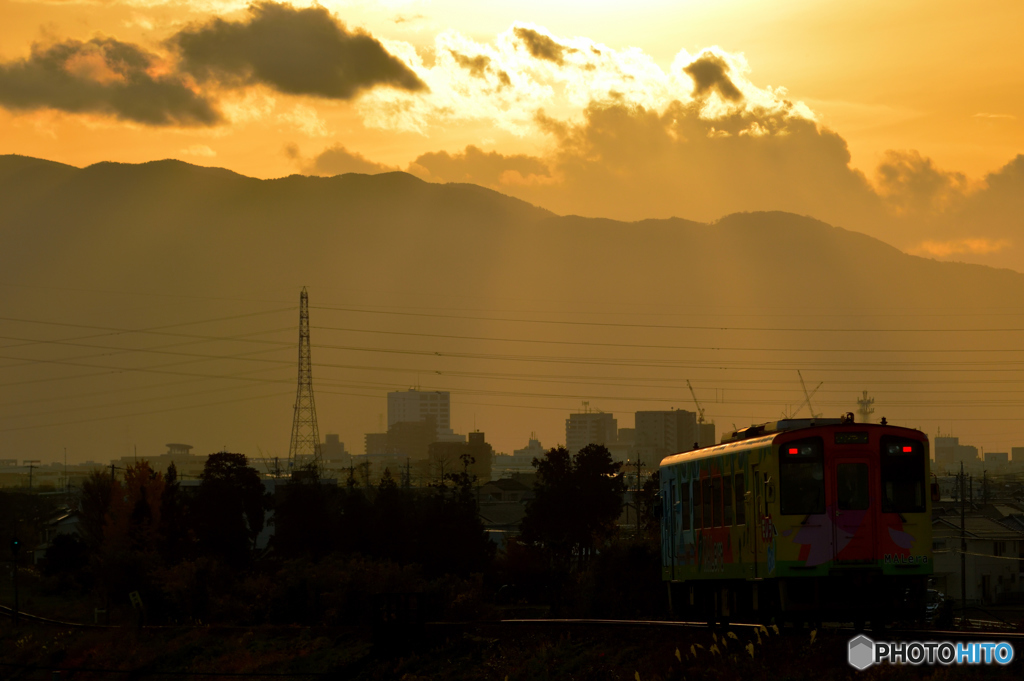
[[700, 409], [808, 395]]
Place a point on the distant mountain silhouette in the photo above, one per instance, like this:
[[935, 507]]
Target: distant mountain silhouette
[[118, 223], [394, 242]]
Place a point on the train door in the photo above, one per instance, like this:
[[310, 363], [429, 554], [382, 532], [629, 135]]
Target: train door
[[854, 516]]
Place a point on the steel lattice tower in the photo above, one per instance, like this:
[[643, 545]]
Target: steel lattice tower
[[305, 444]]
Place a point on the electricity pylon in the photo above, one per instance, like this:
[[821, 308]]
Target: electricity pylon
[[864, 408], [305, 444]]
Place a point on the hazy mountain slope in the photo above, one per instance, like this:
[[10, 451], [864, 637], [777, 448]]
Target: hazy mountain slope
[[139, 246]]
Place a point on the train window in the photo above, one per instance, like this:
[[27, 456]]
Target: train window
[[684, 501], [707, 519], [902, 474], [727, 500], [716, 499], [741, 505], [852, 486], [802, 477]]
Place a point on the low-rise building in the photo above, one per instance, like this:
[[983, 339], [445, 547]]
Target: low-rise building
[[993, 558]]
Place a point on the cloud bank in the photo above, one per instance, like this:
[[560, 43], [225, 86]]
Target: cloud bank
[[104, 76], [295, 51]]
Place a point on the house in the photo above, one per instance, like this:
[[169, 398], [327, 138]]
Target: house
[[505, 489], [65, 522], [993, 558]]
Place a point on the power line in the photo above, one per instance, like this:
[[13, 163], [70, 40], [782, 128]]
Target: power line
[[684, 327]]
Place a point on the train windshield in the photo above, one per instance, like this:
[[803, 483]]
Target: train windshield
[[902, 472], [802, 477]]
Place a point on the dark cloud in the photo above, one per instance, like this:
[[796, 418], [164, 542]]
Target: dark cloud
[[542, 46], [296, 51], [337, 160], [710, 72], [911, 183], [477, 66], [103, 76], [480, 167]]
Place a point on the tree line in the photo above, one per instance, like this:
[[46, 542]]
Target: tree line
[[191, 553]]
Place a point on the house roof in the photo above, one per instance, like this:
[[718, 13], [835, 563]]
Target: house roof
[[502, 513], [507, 485], [977, 527]]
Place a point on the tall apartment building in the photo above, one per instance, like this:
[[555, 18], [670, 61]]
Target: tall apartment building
[[582, 429], [409, 406], [413, 406], [949, 453], [661, 433]]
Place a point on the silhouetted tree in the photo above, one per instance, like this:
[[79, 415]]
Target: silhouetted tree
[[172, 528], [450, 536], [229, 510], [577, 501], [392, 515], [95, 502], [305, 517]]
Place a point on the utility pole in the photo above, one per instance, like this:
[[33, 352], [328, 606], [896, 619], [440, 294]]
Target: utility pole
[[31, 467], [963, 546], [15, 549], [636, 494]]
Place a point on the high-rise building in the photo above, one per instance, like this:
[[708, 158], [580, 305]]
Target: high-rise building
[[949, 453], [589, 428], [661, 433], [411, 406], [332, 450]]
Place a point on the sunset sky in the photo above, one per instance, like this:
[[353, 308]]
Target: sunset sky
[[901, 113]]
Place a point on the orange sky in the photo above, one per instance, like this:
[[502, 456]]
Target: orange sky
[[943, 78]]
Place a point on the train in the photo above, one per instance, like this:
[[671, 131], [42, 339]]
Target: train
[[796, 520]]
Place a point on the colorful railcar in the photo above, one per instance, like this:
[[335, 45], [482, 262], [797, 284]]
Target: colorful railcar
[[800, 519]]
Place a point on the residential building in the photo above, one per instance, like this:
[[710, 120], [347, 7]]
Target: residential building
[[446, 458], [586, 428], [993, 558], [949, 453], [410, 406], [662, 433], [332, 452]]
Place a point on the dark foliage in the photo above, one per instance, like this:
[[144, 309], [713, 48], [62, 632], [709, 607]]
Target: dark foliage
[[577, 501], [229, 510], [174, 536], [96, 493]]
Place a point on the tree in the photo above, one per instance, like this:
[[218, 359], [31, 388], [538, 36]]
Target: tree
[[577, 501], [449, 535], [230, 508], [648, 507], [95, 502], [305, 519], [172, 528], [134, 510]]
